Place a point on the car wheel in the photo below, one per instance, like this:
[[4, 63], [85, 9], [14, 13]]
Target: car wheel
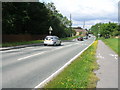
[[45, 44], [59, 44], [54, 44]]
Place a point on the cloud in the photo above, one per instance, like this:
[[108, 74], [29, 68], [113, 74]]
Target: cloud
[[89, 10]]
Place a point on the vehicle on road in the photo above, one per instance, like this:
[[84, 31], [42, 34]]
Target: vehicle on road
[[80, 38], [52, 40], [85, 37]]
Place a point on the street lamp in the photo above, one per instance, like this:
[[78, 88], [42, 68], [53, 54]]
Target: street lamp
[[98, 32], [70, 26]]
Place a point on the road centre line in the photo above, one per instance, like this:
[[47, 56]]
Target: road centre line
[[30, 56], [43, 52]]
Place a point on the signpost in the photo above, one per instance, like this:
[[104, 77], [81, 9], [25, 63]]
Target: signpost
[[50, 30]]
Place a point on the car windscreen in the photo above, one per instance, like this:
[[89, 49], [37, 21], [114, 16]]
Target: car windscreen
[[49, 38]]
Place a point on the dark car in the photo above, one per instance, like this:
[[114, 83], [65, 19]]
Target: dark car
[[80, 38], [107, 36], [86, 37]]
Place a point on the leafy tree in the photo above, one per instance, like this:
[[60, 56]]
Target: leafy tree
[[105, 29], [59, 23], [33, 18]]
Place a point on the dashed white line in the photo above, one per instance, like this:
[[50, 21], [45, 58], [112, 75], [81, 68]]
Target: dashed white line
[[43, 52], [30, 56]]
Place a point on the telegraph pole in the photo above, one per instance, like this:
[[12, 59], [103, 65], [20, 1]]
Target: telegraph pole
[[84, 24], [70, 26]]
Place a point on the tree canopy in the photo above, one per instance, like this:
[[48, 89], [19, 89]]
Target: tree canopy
[[33, 18], [106, 29]]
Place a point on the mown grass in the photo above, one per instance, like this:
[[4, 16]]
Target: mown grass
[[79, 74], [113, 44], [20, 43]]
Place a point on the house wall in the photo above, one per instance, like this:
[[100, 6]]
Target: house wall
[[77, 33]]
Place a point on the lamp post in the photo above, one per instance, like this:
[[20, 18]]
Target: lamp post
[[70, 26], [50, 30], [98, 32]]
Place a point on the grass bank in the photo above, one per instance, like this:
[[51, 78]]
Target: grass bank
[[20, 43], [79, 74], [113, 44]]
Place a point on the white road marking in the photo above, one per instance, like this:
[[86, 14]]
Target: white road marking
[[62, 68], [44, 52], [100, 56], [30, 56], [114, 55]]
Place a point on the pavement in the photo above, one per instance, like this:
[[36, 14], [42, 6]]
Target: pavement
[[108, 67]]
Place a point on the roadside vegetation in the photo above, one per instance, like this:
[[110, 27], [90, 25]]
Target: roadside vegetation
[[80, 73], [112, 43], [20, 43], [105, 30], [109, 33], [33, 18]]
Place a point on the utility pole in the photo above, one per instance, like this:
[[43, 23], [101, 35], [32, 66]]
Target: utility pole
[[70, 26], [84, 24]]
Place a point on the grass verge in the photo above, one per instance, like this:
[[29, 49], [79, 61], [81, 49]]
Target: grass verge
[[20, 43], [79, 74], [30, 42], [113, 44]]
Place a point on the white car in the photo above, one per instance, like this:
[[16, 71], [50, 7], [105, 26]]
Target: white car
[[52, 40]]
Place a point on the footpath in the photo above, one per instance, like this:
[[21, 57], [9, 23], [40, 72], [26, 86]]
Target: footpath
[[108, 67]]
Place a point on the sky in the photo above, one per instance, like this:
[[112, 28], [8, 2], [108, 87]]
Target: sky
[[88, 11]]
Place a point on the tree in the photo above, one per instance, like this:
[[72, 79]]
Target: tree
[[105, 29], [33, 18], [59, 23]]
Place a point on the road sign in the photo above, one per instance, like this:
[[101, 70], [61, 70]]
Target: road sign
[[50, 29]]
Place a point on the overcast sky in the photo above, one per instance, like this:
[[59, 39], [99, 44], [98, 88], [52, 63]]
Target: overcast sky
[[90, 11]]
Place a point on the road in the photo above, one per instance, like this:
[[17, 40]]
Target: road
[[27, 67]]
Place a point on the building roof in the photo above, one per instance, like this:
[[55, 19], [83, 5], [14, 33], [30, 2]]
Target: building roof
[[80, 30]]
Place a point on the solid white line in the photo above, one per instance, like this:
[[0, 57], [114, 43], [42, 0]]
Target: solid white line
[[59, 70]]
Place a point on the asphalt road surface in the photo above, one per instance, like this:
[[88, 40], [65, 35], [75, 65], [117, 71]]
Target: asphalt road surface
[[27, 67]]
